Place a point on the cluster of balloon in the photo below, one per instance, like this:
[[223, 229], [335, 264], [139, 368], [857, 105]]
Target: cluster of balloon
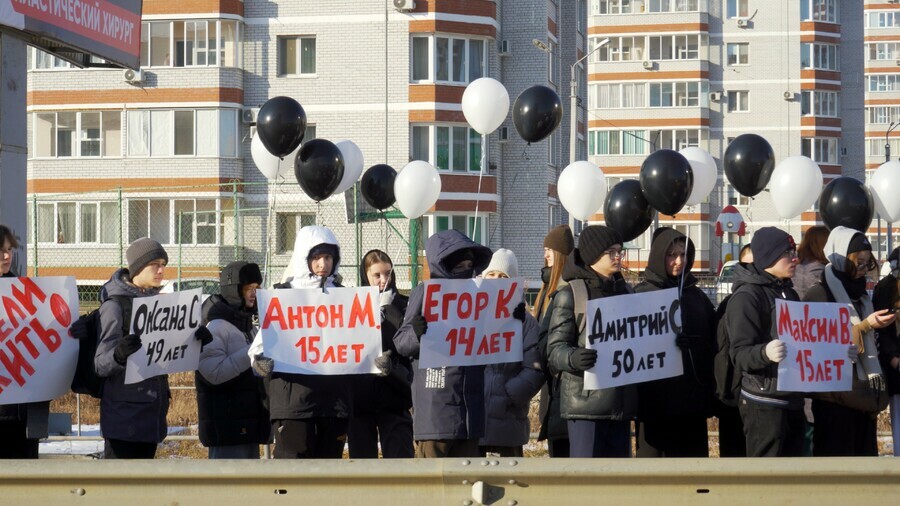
[[377, 186], [846, 201], [885, 188], [748, 163], [667, 181], [417, 188], [536, 113], [582, 189], [319, 168], [485, 104], [627, 210], [795, 185]]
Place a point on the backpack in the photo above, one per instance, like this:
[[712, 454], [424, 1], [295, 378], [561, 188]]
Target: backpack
[[86, 380]]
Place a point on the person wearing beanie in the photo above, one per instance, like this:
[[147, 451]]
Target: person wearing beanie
[[509, 387], [233, 420], [558, 245], [672, 412], [887, 296], [309, 413], [843, 427], [598, 421], [773, 420]]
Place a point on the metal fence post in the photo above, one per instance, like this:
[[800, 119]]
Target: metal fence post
[[358, 224], [414, 252], [121, 228], [180, 221]]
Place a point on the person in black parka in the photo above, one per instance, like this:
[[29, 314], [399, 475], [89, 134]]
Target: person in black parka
[[887, 296], [672, 412]]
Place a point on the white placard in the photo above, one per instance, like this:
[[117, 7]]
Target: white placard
[[817, 336], [166, 324]]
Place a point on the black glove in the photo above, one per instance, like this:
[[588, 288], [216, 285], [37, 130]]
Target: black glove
[[419, 326], [384, 363], [683, 341], [583, 359], [126, 346], [78, 330], [203, 335], [519, 312]]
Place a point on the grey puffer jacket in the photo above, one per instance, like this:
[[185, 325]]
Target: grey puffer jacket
[[807, 275], [508, 389], [135, 412]]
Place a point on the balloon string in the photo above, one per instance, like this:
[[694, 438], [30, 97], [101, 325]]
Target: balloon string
[[319, 214], [525, 152], [478, 195]]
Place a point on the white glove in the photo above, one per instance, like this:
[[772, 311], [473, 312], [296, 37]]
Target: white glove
[[776, 351], [386, 297], [853, 353]]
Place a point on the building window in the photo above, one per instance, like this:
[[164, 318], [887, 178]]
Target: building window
[[883, 50], [681, 94], [738, 53], [676, 139], [447, 59], [738, 101], [297, 56], [883, 115], [194, 43], [820, 103], [819, 56], [87, 134], [581, 15], [674, 47], [181, 221], [822, 150], [78, 222], [618, 142], [617, 95], [875, 147], [202, 132], [882, 19], [737, 8], [882, 82], [551, 62], [819, 10], [552, 148], [447, 147], [733, 198], [286, 227], [462, 222]]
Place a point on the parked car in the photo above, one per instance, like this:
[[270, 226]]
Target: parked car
[[725, 281], [209, 286]]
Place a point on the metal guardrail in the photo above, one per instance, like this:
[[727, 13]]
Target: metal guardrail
[[460, 482]]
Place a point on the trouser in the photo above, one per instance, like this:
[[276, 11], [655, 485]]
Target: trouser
[[678, 436], [559, 447], [441, 448], [119, 449], [502, 451], [599, 438], [310, 438], [895, 423], [244, 451], [843, 432], [14, 444], [732, 442], [772, 431], [394, 429]]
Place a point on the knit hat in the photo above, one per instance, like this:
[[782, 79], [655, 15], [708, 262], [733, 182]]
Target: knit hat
[[768, 244], [594, 240], [142, 252], [234, 277], [560, 239], [504, 261], [859, 242]]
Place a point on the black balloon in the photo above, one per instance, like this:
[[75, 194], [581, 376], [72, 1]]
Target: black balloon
[[281, 123], [536, 113], [319, 167], [846, 201], [377, 186], [749, 161], [667, 180], [626, 210]]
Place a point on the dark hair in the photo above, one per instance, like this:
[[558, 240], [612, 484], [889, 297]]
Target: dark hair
[[745, 249], [6, 234], [812, 246]]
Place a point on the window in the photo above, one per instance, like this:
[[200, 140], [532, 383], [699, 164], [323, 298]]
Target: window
[[604, 7], [882, 82], [822, 150], [883, 50], [875, 147], [616, 95], [76, 134], [882, 19], [737, 8], [287, 225], [819, 10], [203, 132], [733, 198], [680, 94], [820, 103], [738, 101], [819, 56], [617, 142], [454, 148], [195, 221], [738, 53], [551, 62], [182, 221], [78, 222], [297, 56], [618, 49], [581, 15], [148, 218], [552, 148], [447, 59], [463, 223], [194, 43], [674, 47], [883, 115], [676, 139], [668, 6]]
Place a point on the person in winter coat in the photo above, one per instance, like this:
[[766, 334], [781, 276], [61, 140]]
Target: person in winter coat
[[308, 412], [672, 412], [887, 296], [842, 431], [448, 402], [21, 425], [132, 416], [230, 398], [381, 403], [773, 420], [509, 387], [599, 421], [812, 259], [558, 245]]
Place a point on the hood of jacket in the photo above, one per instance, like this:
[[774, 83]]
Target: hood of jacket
[[119, 285], [307, 239], [216, 307], [364, 278], [749, 274], [837, 245], [655, 273], [443, 244]]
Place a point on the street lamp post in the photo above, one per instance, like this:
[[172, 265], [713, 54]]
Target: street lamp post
[[887, 157]]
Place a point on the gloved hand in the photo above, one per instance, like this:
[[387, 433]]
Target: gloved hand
[[78, 330], [683, 341], [203, 335], [384, 363], [519, 312], [583, 359], [126, 346], [419, 326], [853, 353], [386, 297], [776, 351], [263, 365], [876, 382]]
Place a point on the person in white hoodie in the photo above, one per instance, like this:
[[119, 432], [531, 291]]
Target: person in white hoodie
[[308, 413]]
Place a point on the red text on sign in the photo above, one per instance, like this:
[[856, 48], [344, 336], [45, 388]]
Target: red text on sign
[[312, 352]]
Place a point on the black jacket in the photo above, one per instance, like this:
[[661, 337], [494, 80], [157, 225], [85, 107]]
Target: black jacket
[[886, 296], [619, 403], [690, 394], [750, 315]]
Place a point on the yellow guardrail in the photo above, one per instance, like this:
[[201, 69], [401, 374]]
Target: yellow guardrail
[[460, 482]]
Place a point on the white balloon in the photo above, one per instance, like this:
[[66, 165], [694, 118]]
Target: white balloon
[[885, 187], [582, 189], [353, 165], [266, 162], [795, 185], [705, 173], [485, 104], [417, 188]]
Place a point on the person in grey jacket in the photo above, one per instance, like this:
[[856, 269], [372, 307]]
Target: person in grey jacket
[[509, 387], [811, 253], [132, 417]]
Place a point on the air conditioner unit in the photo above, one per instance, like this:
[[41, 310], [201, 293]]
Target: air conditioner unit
[[503, 48], [647, 64], [743, 22], [133, 76], [404, 5], [248, 116], [788, 95], [715, 96], [503, 134]]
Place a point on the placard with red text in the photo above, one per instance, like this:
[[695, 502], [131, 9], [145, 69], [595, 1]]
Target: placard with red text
[[37, 356], [308, 331], [470, 322], [817, 336], [166, 324]]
